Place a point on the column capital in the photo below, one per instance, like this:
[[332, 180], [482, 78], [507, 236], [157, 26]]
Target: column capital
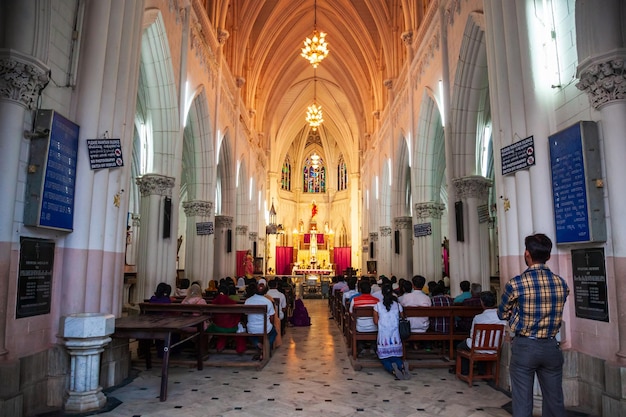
[[428, 210], [603, 78], [136, 219], [198, 208], [22, 77], [403, 222], [472, 186], [241, 230], [253, 236], [374, 236], [385, 231], [223, 222], [155, 184]]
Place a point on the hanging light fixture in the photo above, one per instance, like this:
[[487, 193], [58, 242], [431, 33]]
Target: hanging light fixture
[[314, 112], [315, 47], [315, 160]]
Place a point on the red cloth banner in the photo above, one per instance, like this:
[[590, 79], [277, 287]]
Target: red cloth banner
[[320, 238]]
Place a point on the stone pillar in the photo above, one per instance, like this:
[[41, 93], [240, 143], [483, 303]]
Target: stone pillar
[[22, 77], [86, 335], [156, 261], [427, 246], [199, 246], [603, 78], [242, 242], [224, 264], [402, 261], [384, 250], [473, 256]]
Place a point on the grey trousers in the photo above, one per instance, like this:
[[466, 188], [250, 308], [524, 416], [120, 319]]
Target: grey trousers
[[544, 358]]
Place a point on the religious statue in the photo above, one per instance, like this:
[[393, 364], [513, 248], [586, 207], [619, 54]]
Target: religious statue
[[248, 264], [313, 209]]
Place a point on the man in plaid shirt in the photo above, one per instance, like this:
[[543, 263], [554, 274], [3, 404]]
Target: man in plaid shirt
[[440, 299], [533, 303]]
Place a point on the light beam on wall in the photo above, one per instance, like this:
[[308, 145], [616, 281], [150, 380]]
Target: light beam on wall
[[442, 110]]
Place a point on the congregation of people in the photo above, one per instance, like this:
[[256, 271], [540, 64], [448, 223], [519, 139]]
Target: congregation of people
[[389, 296], [277, 295], [531, 321]]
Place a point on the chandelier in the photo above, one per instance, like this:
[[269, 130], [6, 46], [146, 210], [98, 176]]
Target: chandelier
[[315, 160], [315, 47], [314, 112]]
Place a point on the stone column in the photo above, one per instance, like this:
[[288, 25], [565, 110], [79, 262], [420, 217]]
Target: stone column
[[402, 262], [224, 264], [156, 260], [22, 77], [473, 256], [384, 250], [603, 78], [427, 246], [198, 248], [86, 335], [242, 242]]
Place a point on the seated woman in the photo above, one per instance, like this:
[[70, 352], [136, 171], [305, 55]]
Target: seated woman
[[194, 296], [225, 322], [162, 293]]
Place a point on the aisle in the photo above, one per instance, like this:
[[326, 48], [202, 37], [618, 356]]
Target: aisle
[[310, 374]]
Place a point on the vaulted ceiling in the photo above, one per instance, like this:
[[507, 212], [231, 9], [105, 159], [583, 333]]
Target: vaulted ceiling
[[365, 38]]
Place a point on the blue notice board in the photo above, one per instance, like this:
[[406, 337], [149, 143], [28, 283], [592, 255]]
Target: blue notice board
[[575, 166], [51, 179]]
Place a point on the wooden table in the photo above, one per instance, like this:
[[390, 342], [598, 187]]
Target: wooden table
[[153, 326]]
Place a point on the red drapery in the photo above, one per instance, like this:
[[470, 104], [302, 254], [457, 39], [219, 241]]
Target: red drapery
[[284, 256], [343, 259], [241, 255], [320, 238]]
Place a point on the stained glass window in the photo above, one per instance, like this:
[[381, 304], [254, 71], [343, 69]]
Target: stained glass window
[[285, 177], [314, 178], [342, 174]]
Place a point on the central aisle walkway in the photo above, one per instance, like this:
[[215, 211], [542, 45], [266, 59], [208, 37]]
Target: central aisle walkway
[[309, 375]]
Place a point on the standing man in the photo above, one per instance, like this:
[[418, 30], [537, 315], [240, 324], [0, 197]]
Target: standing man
[[533, 305]]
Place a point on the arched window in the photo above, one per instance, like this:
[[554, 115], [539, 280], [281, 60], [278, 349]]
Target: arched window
[[314, 176], [342, 174], [285, 177]]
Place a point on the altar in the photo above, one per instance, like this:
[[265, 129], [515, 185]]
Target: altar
[[302, 271]]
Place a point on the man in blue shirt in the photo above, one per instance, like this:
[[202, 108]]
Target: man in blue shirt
[[532, 303]]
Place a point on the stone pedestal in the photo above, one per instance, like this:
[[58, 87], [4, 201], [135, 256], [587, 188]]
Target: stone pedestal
[[85, 336]]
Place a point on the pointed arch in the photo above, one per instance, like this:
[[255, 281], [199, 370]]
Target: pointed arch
[[471, 82]]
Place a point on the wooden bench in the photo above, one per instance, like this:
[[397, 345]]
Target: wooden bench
[[210, 309], [451, 337]]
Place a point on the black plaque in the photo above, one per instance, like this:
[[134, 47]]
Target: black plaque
[[204, 228], [519, 155], [105, 153], [34, 288], [590, 284], [422, 229]]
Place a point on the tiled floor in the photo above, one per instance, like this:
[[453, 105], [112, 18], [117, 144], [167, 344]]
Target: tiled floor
[[309, 375]]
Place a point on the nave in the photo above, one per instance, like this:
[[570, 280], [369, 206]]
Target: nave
[[310, 374]]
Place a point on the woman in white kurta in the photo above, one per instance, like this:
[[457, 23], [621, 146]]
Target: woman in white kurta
[[389, 345]]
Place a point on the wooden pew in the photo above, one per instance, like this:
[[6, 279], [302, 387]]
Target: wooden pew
[[210, 309], [451, 337]]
